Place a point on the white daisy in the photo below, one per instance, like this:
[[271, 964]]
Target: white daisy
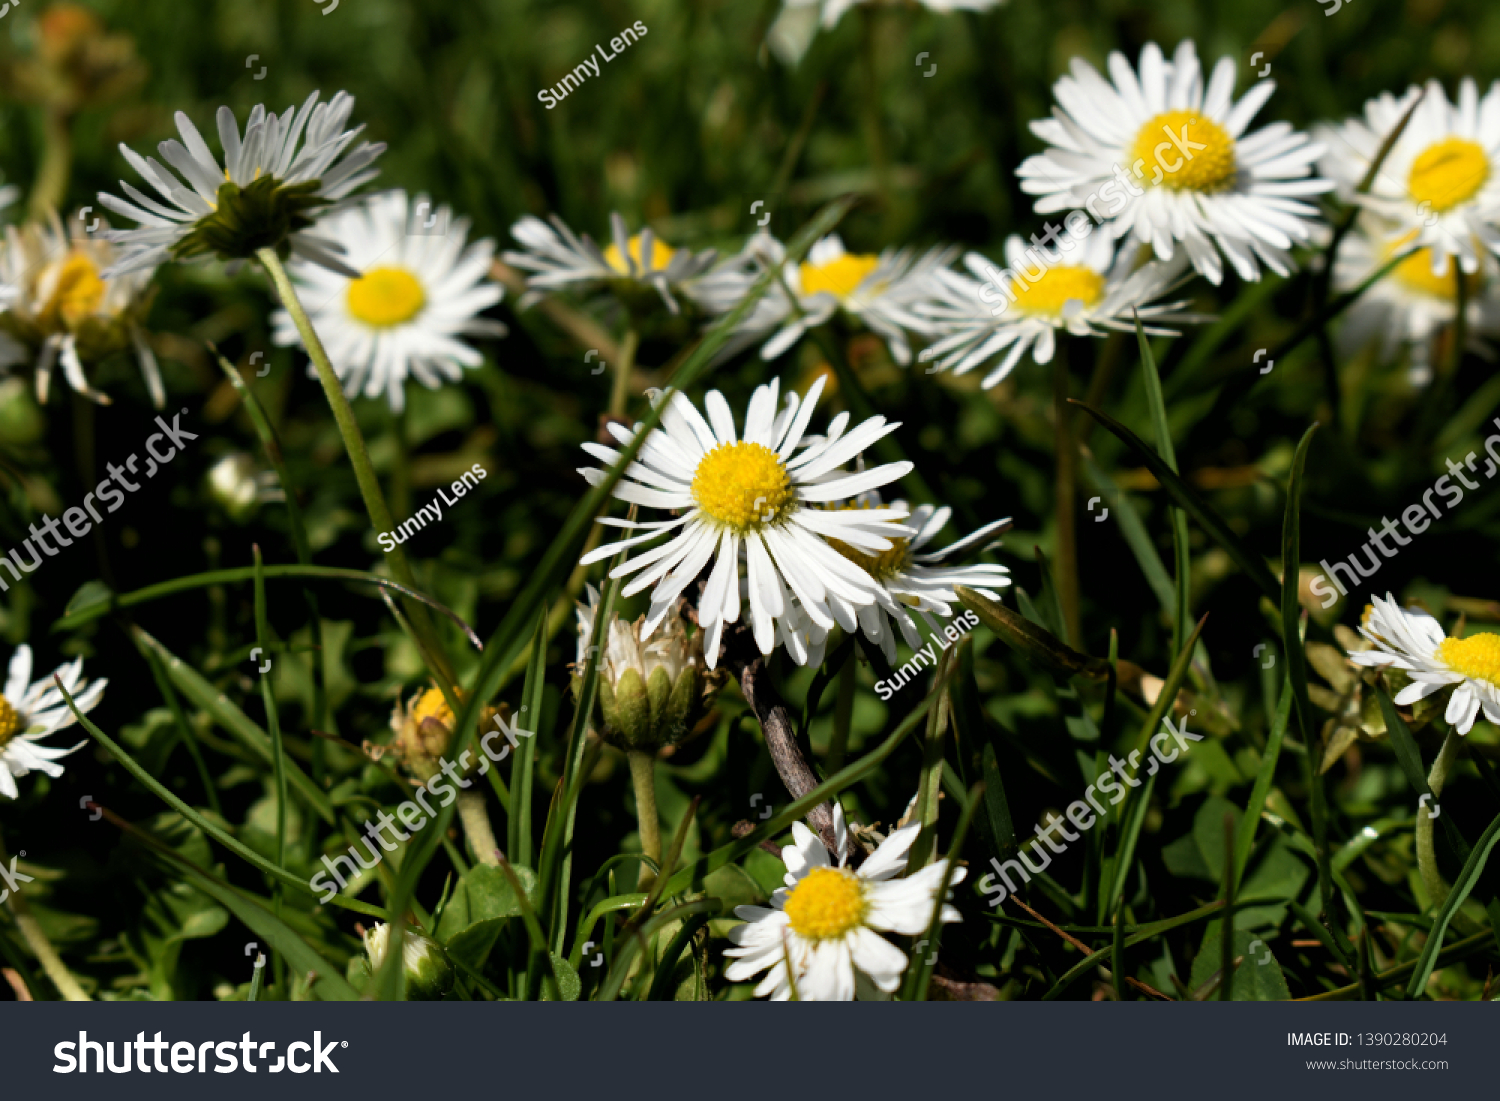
[[1415, 642], [833, 10], [920, 582], [1411, 307], [827, 920], [1441, 178], [30, 712], [757, 493], [1022, 307], [416, 295], [1174, 164], [283, 173], [875, 291], [62, 307], [556, 257]]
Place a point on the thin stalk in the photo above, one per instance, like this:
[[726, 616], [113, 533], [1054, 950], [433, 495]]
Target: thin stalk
[[1065, 572], [874, 141], [643, 779], [476, 820], [1426, 852], [50, 188], [354, 443], [40, 946], [924, 849], [619, 393]]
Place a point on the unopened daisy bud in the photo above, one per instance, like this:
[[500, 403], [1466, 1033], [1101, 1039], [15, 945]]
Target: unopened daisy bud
[[429, 975], [424, 728], [237, 485], [652, 691]]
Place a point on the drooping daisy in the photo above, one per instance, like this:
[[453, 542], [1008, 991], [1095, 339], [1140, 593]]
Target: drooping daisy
[[61, 308], [1411, 307], [828, 919], [286, 171], [1416, 643], [757, 493], [417, 294], [30, 712], [920, 582], [876, 291], [1023, 306], [1174, 166], [556, 257], [1441, 178]]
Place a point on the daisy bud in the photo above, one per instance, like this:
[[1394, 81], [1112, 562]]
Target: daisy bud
[[429, 975]]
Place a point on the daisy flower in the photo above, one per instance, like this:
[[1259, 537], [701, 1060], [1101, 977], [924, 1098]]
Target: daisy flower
[[62, 307], [30, 712], [755, 493], [285, 171], [556, 258], [920, 582], [1174, 165], [833, 10], [416, 295], [875, 291], [1415, 642], [1022, 307], [1412, 306], [828, 919], [1441, 179]]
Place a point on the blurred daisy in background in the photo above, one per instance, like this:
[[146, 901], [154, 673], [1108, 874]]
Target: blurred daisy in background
[[1412, 307], [416, 294], [798, 23], [286, 171], [62, 309], [758, 492], [1416, 643], [556, 258], [1174, 166], [1440, 181], [1033, 301], [828, 919], [919, 582], [877, 292], [30, 712]]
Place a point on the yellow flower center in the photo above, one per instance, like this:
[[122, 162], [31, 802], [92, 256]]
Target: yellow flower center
[[432, 705], [10, 721], [1057, 287], [661, 255], [743, 486], [1477, 656], [1172, 141], [881, 566], [1448, 173], [1415, 273], [386, 297], [829, 903], [78, 292], [840, 277]]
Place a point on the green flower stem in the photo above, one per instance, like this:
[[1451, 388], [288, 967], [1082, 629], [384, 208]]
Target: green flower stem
[[643, 777], [41, 947], [476, 820], [50, 188], [354, 443], [1426, 852]]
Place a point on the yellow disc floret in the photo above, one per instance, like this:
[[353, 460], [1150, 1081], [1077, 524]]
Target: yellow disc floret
[[432, 705], [661, 256], [75, 294], [829, 903], [881, 566], [386, 297], [839, 277], [10, 721], [1184, 151], [743, 486], [1448, 173], [1415, 273], [1477, 656], [1057, 287]]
